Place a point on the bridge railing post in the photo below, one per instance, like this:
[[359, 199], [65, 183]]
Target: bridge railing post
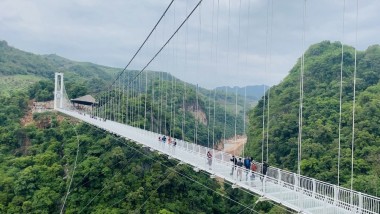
[[314, 187], [360, 202], [279, 176], [264, 183], [295, 181], [336, 194]]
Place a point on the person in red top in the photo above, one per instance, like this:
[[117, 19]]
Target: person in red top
[[253, 169]]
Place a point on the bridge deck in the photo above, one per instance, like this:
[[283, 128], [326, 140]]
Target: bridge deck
[[279, 186]]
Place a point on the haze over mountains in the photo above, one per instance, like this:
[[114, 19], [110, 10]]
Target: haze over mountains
[[17, 62], [253, 92], [36, 159]]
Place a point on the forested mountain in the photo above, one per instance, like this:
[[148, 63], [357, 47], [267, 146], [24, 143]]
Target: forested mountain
[[14, 61], [321, 117], [21, 69], [112, 175], [37, 156], [16, 64]]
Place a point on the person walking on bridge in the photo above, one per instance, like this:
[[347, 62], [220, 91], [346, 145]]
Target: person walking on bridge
[[253, 169], [239, 170], [209, 159], [247, 165], [264, 169], [234, 162]]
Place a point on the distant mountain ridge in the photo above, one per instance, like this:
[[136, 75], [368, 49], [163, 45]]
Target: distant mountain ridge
[[14, 61], [254, 92]]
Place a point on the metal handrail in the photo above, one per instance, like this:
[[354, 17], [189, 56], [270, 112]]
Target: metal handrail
[[334, 195]]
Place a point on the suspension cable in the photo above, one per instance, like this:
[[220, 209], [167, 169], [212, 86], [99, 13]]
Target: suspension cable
[[225, 115], [236, 113], [141, 46], [210, 95], [122, 106], [170, 38], [301, 92], [75, 166], [263, 140], [238, 56], [146, 97], [267, 138], [245, 104], [341, 93], [198, 66], [146, 39], [216, 65], [189, 177], [172, 112], [228, 68], [105, 186], [354, 100], [270, 69], [246, 66], [184, 83], [196, 116], [208, 121], [166, 104], [213, 123]]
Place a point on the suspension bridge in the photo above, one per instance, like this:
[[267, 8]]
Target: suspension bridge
[[297, 192], [112, 113]]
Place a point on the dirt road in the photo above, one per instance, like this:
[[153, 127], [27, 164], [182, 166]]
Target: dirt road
[[235, 146]]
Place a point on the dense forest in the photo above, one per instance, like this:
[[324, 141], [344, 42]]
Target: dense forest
[[111, 175], [38, 163], [320, 125]]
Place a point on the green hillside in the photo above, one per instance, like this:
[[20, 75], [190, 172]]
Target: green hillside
[[321, 118], [19, 68], [14, 62], [111, 175], [16, 82]]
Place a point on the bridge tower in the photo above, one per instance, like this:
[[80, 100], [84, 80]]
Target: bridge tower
[[58, 91]]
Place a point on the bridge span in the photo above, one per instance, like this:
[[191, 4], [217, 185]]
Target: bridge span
[[297, 192]]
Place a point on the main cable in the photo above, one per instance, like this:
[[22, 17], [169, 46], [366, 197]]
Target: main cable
[[146, 39], [159, 51]]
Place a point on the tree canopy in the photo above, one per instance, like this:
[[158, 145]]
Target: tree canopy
[[320, 125]]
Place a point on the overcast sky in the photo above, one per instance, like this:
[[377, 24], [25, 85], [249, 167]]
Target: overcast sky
[[208, 50]]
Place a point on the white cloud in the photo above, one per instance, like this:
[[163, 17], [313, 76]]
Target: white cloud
[[109, 32]]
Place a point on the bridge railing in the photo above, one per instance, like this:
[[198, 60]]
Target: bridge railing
[[325, 192]]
